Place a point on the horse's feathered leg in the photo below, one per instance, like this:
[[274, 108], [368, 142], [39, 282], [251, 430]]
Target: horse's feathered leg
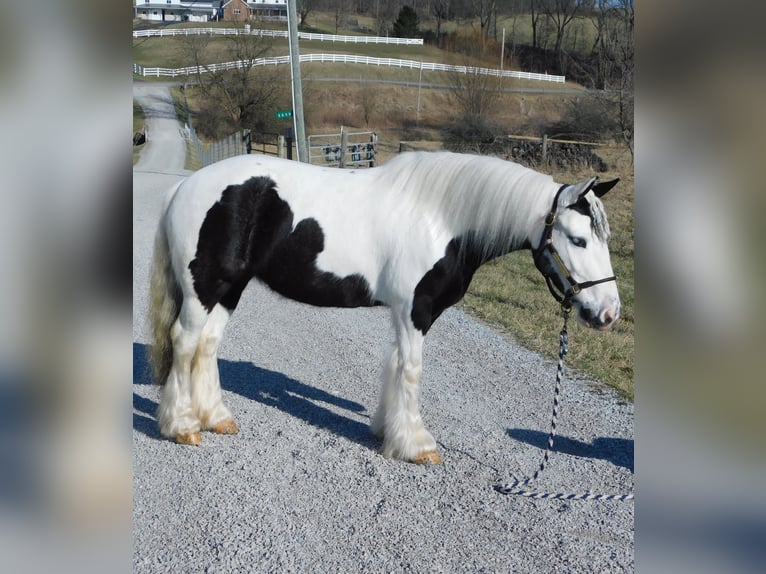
[[207, 401], [397, 418], [176, 413]]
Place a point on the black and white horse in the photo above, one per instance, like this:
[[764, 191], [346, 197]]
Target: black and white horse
[[409, 235]]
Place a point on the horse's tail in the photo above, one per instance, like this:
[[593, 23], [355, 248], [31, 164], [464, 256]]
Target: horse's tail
[[164, 304]]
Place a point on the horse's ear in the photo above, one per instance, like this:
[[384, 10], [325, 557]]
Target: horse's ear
[[573, 192], [602, 187]]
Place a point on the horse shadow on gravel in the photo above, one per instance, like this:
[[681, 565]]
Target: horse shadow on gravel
[[618, 451], [269, 388], [144, 421]]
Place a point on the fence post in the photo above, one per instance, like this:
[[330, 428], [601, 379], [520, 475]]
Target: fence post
[[343, 145], [545, 149], [281, 146], [289, 142], [248, 141], [374, 142]]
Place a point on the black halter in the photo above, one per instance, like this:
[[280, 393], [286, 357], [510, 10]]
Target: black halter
[[564, 295]]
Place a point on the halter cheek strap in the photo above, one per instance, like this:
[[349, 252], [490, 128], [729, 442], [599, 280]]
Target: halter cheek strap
[[562, 294]]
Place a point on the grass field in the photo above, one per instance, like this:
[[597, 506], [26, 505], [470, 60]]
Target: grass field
[[171, 51], [508, 293]]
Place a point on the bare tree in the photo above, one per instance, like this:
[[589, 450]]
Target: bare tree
[[304, 8], [561, 13], [474, 94], [242, 97], [440, 9], [342, 10], [385, 14], [625, 52], [369, 100], [613, 52], [484, 11], [535, 12]]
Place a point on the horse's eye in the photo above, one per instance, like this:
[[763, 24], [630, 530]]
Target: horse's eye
[[578, 242]]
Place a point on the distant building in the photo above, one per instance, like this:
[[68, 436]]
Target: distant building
[[235, 10], [266, 10], [207, 10], [177, 10]]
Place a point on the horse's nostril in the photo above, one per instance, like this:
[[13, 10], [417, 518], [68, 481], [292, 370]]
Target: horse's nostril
[[608, 317], [598, 319]]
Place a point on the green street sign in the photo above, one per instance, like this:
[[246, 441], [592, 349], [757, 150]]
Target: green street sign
[[283, 114]]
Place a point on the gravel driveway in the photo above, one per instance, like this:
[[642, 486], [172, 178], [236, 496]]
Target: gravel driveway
[[302, 487]]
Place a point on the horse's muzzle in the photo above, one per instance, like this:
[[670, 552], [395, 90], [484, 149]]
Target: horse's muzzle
[[600, 321]]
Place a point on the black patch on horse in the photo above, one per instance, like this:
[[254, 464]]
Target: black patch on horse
[[445, 283], [581, 206], [249, 233]]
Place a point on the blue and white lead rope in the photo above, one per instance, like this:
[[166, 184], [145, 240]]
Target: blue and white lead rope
[[518, 487]]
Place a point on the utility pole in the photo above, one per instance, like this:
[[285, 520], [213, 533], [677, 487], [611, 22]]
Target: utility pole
[[420, 82], [295, 70], [502, 59]]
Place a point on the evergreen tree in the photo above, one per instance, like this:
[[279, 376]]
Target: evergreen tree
[[406, 25]]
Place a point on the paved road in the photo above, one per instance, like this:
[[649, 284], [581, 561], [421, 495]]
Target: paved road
[[165, 150], [302, 487]]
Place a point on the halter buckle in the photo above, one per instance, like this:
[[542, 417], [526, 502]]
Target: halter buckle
[[550, 218]]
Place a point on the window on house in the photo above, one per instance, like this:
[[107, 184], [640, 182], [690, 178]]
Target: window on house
[[237, 11]]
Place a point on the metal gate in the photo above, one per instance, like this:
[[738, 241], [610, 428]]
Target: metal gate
[[344, 150]]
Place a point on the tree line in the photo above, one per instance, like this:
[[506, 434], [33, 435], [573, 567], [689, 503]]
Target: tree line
[[556, 25]]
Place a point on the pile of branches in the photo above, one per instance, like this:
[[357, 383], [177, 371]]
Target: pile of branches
[[559, 155], [477, 137]]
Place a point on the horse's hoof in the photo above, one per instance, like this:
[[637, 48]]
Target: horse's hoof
[[192, 438], [428, 457], [226, 427]]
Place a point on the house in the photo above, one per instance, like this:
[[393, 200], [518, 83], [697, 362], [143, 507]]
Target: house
[[267, 10], [207, 10], [177, 10], [235, 10]]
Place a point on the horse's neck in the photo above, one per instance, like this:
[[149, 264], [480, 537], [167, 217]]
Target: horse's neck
[[519, 220], [494, 206]]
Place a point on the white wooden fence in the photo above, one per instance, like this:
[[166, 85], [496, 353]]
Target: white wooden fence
[[274, 34], [345, 59]]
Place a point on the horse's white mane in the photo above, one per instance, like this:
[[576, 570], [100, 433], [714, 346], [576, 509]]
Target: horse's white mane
[[494, 201]]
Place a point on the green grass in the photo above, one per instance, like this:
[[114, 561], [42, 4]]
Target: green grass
[[170, 52]]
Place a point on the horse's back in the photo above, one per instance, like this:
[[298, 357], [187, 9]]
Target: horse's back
[[308, 232]]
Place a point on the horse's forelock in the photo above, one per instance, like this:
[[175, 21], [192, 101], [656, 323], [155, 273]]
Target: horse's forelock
[[598, 217]]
